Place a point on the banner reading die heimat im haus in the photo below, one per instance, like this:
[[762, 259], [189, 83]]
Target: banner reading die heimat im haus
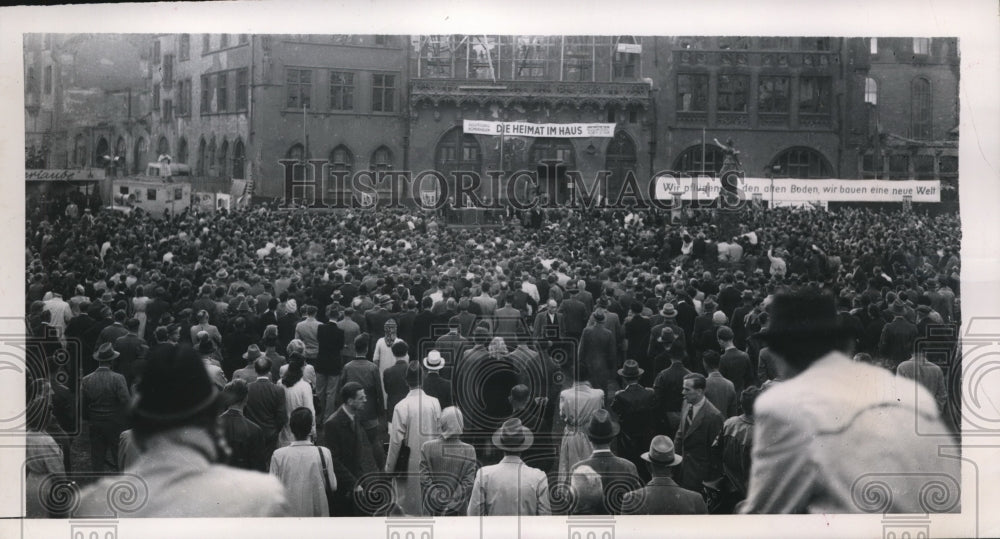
[[525, 129]]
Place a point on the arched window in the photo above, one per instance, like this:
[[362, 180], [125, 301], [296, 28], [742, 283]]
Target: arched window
[[162, 147], [619, 160], [381, 159], [800, 162], [559, 149], [458, 151], [625, 63], [102, 156], [182, 150], [120, 162], [553, 148], [139, 156], [201, 165], [239, 160], [691, 161], [223, 156], [297, 152], [79, 151], [920, 101], [341, 166]]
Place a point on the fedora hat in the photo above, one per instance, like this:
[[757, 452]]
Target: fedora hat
[[105, 353], [898, 308], [253, 352], [631, 369], [667, 335], [175, 387], [801, 315], [434, 361], [513, 436], [661, 451], [668, 310], [602, 428]]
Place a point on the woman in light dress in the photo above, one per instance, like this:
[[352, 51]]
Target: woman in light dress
[[139, 303], [576, 404], [298, 394]]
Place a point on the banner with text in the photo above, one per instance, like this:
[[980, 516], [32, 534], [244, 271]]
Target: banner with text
[[65, 175], [523, 129], [790, 189]]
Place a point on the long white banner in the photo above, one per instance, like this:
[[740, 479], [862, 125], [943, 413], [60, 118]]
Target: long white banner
[[790, 189], [524, 129]]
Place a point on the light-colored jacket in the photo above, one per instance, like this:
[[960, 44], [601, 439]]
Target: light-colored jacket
[[299, 469], [510, 488], [845, 437], [177, 477], [415, 421]]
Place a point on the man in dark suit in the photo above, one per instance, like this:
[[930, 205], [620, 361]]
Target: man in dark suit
[[266, 405], [637, 332], [394, 378], [616, 473], [423, 327], [575, 313], [328, 363], [662, 496], [667, 387], [465, 319], [345, 437], [508, 322], [701, 424], [452, 346], [898, 336], [244, 437], [734, 363], [635, 407], [599, 351], [132, 351], [549, 324], [434, 385]]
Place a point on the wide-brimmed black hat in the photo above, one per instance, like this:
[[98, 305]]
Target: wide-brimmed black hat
[[801, 315], [631, 369], [602, 428], [174, 387], [512, 436]]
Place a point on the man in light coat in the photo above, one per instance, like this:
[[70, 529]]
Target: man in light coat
[[415, 420], [510, 488]]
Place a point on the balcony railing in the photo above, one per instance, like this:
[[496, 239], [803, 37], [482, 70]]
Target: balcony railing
[[437, 91]]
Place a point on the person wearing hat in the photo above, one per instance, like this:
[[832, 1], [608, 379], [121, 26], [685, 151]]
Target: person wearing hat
[[175, 423], [447, 468], [105, 396], [599, 351], [805, 425], [662, 495], [132, 351], [248, 374], [635, 407], [898, 336], [510, 487], [117, 329], [434, 384], [415, 420], [616, 473]]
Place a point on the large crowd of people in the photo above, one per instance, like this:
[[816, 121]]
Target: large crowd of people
[[581, 362]]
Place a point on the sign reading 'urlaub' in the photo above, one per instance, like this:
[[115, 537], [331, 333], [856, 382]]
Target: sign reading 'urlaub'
[[524, 129]]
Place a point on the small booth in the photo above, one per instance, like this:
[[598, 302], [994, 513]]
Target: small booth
[[48, 188]]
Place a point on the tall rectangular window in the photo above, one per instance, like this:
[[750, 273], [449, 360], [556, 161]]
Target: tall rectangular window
[[920, 101], [341, 90], [47, 81], [299, 86], [814, 94], [168, 71], [185, 93], [732, 93], [206, 94], [184, 50], [168, 110], [221, 92], [921, 45], [156, 51], [242, 89], [692, 92], [874, 46], [156, 96], [383, 93], [772, 95]]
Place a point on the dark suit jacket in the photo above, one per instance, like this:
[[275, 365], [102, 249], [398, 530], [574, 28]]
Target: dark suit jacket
[[451, 346], [132, 352], [439, 388], [331, 342], [694, 443], [394, 379], [618, 476], [448, 465], [598, 351], [735, 365], [350, 449], [245, 439], [266, 407], [508, 323], [543, 329], [575, 315], [466, 321], [897, 340], [662, 496], [635, 407]]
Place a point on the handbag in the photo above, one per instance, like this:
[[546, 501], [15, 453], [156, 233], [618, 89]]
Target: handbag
[[326, 483]]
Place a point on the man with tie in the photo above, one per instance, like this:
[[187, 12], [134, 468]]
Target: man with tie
[[700, 425]]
